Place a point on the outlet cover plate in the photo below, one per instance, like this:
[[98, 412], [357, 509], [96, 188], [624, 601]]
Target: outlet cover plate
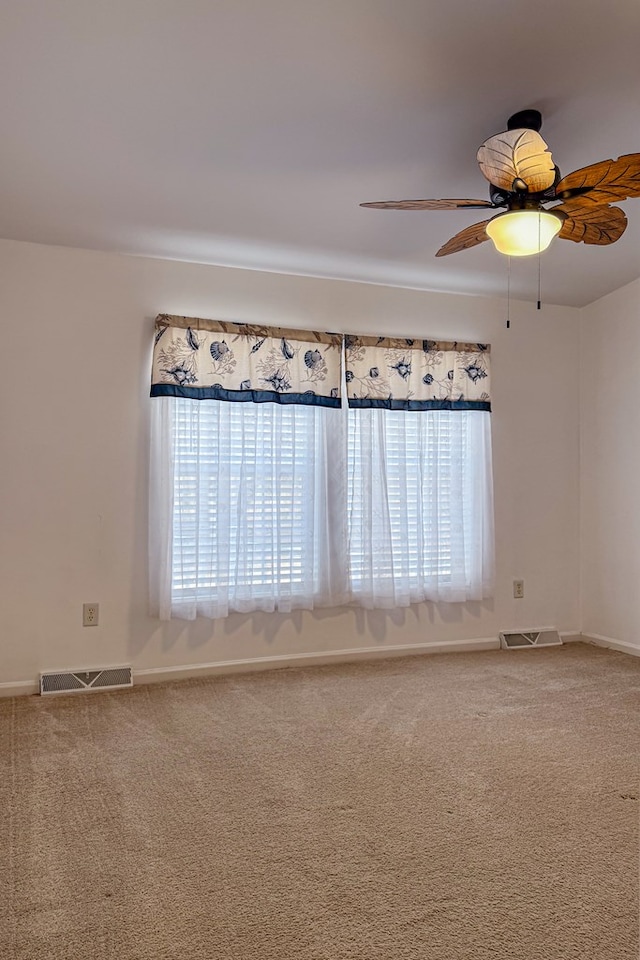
[[90, 614]]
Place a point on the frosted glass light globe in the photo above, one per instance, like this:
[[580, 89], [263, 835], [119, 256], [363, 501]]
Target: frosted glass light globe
[[520, 233]]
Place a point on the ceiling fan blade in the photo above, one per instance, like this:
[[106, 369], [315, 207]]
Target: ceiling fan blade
[[517, 159], [427, 204], [588, 223], [469, 237], [605, 182]]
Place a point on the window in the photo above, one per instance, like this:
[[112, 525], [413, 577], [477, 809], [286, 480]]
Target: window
[[249, 500], [419, 505], [301, 501]]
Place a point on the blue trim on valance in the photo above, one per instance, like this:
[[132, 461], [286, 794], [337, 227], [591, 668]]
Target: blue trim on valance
[[243, 396], [391, 404]]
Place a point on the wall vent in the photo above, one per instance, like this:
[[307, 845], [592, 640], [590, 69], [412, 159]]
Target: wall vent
[[78, 681], [524, 639]]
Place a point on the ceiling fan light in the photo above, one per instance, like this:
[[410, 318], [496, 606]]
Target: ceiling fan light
[[521, 233]]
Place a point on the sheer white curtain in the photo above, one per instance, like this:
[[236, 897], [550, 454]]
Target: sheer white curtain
[[420, 506], [248, 507]]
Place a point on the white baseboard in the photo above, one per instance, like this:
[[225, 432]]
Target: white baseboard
[[185, 671], [620, 645], [162, 674], [19, 688], [571, 636]]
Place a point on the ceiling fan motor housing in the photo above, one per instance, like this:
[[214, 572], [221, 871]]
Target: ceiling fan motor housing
[[525, 120]]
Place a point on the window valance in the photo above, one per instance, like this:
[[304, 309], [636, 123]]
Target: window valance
[[218, 360], [405, 374]]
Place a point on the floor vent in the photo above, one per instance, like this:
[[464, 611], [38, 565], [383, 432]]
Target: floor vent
[[522, 640], [77, 681]]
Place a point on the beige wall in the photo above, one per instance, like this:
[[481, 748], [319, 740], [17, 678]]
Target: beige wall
[[610, 455], [76, 339]]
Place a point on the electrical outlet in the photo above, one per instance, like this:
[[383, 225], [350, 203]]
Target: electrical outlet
[[90, 613], [518, 589]]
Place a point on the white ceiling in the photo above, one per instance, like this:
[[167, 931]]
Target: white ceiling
[[246, 132]]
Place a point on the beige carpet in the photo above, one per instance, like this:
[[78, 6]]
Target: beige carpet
[[461, 807]]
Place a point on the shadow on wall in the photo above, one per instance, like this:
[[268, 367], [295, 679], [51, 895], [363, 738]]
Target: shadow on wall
[[241, 636]]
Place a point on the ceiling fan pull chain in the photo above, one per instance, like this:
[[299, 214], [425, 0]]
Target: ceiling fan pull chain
[[508, 292], [539, 253]]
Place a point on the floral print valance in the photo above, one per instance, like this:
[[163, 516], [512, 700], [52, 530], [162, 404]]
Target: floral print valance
[[219, 360], [216, 360], [417, 374]]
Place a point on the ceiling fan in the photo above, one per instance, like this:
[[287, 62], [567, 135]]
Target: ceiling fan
[[524, 179]]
